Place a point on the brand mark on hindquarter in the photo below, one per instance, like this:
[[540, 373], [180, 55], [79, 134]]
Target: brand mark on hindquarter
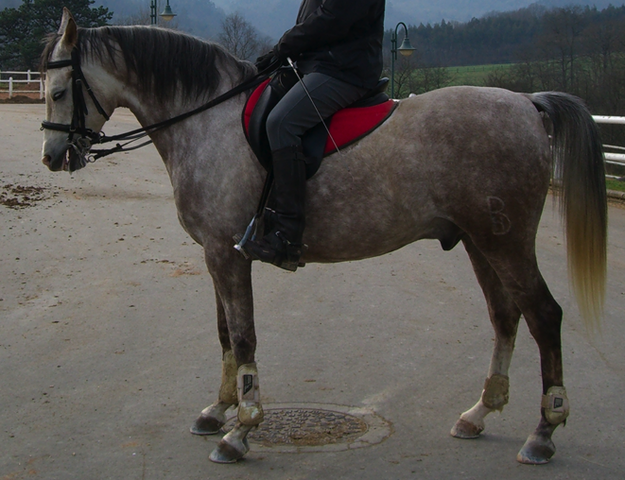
[[501, 224]]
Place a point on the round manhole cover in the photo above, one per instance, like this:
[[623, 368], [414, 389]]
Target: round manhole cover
[[306, 427]]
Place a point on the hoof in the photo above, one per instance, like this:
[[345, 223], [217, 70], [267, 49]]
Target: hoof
[[465, 430], [207, 425], [229, 453], [536, 451]]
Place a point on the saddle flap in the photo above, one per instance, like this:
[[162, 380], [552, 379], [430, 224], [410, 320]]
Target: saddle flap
[[255, 114]]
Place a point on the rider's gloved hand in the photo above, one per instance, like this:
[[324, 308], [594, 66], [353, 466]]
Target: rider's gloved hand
[[267, 60], [264, 61]]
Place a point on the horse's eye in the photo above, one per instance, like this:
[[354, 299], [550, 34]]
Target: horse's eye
[[58, 95]]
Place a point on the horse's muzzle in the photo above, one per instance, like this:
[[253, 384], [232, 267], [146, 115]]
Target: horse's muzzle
[[67, 161], [57, 163]]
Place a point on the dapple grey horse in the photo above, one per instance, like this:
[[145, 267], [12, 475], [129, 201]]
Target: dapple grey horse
[[465, 164]]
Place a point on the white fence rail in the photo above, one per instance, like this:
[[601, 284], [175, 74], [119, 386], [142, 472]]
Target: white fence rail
[[10, 83], [612, 158]]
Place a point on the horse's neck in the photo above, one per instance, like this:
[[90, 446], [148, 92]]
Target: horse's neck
[[212, 171], [150, 110], [187, 135], [205, 148]]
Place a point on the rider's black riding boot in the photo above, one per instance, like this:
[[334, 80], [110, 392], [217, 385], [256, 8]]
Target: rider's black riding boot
[[282, 246]]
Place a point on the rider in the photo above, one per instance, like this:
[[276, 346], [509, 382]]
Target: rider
[[337, 45]]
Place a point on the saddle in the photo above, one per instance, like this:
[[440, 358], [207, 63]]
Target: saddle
[[346, 126]]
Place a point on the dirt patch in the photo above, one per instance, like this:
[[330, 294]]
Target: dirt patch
[[22, 99], [20, 196]]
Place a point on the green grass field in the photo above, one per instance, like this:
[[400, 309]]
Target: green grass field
[[613, 184]]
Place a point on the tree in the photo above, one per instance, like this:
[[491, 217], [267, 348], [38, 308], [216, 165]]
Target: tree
[[427, 78], [22, 29], [405, 68], [241, 39], [561, 40], [141, 16]]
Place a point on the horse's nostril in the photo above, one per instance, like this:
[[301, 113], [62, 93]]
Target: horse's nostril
[[46, 160]]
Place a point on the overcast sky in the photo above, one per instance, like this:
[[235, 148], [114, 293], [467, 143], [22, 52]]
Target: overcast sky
[[409, 11], [432, 11]]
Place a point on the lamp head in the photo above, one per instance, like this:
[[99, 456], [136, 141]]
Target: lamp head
[[406, 48], [167, 14]]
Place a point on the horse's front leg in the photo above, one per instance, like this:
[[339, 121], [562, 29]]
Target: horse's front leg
[[240, 385], [213, 417]]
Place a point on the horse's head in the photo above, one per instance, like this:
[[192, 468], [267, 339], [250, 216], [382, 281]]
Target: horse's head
[[74, 116]]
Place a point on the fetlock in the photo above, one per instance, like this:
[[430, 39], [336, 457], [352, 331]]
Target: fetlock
[[555, 405], [250, 411], [496, 392]]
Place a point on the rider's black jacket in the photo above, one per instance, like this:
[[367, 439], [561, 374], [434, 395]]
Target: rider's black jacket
[[340, 38]]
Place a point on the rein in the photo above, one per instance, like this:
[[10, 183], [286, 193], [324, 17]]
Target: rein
[[87, 137]]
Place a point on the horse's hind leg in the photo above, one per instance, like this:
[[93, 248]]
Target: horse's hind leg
[[544, 319], [504, 315], [213, 417], [516, 266]]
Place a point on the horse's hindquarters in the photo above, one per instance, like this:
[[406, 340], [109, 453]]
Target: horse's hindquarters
[[456, 160]]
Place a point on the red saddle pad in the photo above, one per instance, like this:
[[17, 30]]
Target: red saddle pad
[[346, 126], [351, 124]]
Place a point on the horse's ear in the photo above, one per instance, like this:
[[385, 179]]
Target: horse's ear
[[68, 29]]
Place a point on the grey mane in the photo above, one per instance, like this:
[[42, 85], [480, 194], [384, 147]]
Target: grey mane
[[164, 62]]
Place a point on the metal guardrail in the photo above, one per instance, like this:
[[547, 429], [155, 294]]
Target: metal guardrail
[[27, 77]]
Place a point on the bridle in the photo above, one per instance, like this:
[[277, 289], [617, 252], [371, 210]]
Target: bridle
[[81, 139]]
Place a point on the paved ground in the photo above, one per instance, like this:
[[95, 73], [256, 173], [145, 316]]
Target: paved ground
[[108, 347]]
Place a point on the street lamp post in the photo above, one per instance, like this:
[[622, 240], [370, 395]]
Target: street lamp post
[[166, 14], [405, 49]]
